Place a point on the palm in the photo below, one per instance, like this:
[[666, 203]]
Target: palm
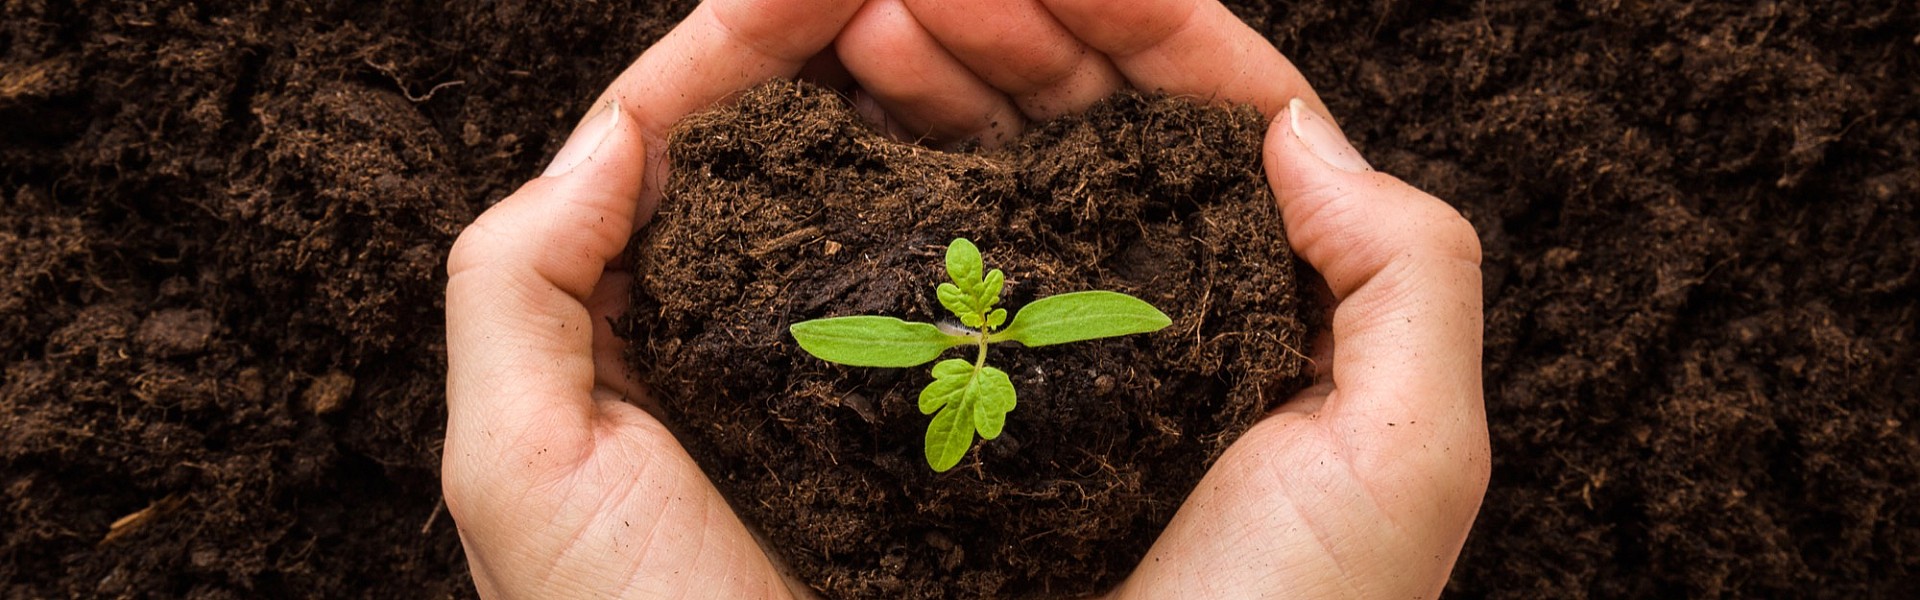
[[1298, 504], [616, 512]]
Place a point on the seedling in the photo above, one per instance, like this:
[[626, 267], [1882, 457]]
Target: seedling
[[972, 397]]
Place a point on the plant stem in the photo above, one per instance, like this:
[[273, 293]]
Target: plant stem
[[980, 361]]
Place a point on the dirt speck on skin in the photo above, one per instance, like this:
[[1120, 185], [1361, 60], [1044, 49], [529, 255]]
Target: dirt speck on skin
[[785, 208]]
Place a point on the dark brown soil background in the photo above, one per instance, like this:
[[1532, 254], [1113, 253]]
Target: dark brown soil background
[[787, 207], [221, 231]]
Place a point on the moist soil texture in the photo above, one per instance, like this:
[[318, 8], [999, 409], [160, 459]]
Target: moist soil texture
[[788, 207], [223, 225]]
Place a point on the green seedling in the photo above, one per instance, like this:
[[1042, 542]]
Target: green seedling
[[972, 397]]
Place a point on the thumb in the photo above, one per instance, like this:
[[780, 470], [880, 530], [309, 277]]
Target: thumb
[[1404, 269], [519, 334]]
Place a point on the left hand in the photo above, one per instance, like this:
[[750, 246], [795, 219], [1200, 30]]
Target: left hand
[[562, 486]]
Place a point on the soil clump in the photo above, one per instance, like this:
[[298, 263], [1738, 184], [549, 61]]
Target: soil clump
[[785, 207]]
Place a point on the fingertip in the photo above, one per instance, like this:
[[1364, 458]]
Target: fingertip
[[1019, 47], [1193, 48], [586, 137], [924, 90], [720, 50], [566, 225], [1322, 137], [1346, 219]]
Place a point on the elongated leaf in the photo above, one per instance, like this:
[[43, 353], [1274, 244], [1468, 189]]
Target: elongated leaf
[[1082, 316], [963, 264], [873, 341], [966, 401]]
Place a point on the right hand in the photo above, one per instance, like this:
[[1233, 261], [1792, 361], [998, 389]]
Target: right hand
[[1365, 484]]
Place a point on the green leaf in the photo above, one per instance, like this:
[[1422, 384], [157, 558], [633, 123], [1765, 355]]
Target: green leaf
[[950, 380], [873, 341], [966, 401], [995, 398], [951, 368], [948, 437], [956, 301], [1082, 316], [963, 264], [989, 292], [997, 318]]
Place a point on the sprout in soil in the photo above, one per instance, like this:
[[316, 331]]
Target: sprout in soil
[[970, 396]]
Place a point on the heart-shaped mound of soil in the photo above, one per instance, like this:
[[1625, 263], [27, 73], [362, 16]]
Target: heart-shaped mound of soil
[[786, 207]]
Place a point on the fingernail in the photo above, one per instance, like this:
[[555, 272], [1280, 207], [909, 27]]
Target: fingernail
[[1323, 139], [584, 140]]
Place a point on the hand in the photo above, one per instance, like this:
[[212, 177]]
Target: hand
[[561, 488], [1362, 486], [944, 71]]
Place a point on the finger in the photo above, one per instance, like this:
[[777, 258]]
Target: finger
[[1187, 47], [1018, 47], [924, 90], [1368, 488], [722, 48], [1404, 269], [519, 335], [613, 379], [873, 113], [825, 69]]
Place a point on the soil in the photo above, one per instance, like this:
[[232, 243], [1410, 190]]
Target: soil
[[222, 228], [787, 207]]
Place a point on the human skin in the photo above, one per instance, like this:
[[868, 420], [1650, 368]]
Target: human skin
[[564, 484]]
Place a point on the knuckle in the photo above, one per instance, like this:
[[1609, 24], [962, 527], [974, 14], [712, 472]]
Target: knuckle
[[485, 237], [1451, 234], [1461, 240], [1482, 468], [881, 28], [458, 484], [472, 246]]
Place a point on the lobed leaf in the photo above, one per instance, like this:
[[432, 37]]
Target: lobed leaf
[[948, 437], [963, 264], [989, 292], [967, 401], [873, 341], [997, 318], [956, 301], [1082, 316], [993, 399], [950, 368], [950, 380]]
